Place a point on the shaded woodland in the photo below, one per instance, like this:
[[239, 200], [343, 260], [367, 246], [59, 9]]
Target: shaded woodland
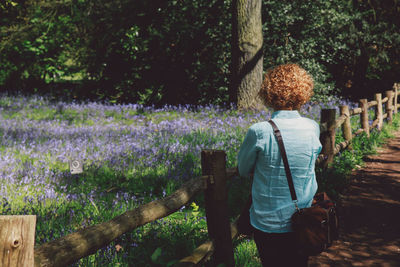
[[180, 52]]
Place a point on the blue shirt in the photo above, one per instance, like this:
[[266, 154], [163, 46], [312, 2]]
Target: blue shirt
[[272, 204]]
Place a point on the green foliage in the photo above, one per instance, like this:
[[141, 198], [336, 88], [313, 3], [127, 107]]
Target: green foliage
[[246, 253], [338, 42], [179, 51], [37, 44]]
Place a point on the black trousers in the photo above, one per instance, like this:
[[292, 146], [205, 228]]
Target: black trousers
[[278, 250]]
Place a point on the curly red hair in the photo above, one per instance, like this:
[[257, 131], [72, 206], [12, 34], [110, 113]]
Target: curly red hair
[[286, 87]]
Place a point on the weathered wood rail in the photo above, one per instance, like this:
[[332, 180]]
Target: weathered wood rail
[[329, 122], [69, 249]]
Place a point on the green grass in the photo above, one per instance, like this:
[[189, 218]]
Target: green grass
[[246, 253]]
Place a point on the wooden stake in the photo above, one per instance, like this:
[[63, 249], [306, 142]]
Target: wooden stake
[[379, 111], [17, 235], [389, 106], [216, 201], [327, 137], [346, 126], [364, 115], [396, 94]]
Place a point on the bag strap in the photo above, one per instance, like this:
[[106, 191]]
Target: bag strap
[[289, 178]]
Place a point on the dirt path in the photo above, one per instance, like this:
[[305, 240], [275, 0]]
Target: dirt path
[[370, 215]]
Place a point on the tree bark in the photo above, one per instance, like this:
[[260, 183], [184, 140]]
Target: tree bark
[[247, 54]]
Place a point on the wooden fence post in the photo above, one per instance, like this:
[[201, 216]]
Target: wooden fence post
[[389, 106], [17, 237], [379, 111], [346, 126], [364, 115], [327, 138], [396, 94], [213, 163]]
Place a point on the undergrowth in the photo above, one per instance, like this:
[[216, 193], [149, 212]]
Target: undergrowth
[[337, 176]]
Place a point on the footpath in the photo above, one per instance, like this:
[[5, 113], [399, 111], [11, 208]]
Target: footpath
[[369, 214]]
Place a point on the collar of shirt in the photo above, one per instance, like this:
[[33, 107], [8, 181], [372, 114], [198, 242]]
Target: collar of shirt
[[285, 114]]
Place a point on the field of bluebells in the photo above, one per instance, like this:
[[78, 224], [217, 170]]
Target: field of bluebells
[[131, 155]]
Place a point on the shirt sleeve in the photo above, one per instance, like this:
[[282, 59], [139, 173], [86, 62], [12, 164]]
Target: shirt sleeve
[[248, 153]]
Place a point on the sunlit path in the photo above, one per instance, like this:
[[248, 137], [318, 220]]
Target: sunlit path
[[370, 213]]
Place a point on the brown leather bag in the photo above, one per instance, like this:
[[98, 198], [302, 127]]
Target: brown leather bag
[[316, 227]]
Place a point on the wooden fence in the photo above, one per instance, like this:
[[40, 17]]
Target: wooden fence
[[69, 249]]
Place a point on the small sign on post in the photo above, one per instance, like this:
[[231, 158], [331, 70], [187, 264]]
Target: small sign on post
[[76, 166]]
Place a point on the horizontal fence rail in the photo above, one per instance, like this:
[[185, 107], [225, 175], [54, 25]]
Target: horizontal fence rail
[[69, 249]]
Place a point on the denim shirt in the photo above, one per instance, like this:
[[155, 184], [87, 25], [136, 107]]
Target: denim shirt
[[272, 204]]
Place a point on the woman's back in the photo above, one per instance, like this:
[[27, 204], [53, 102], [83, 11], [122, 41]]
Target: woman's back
[[272, 204]]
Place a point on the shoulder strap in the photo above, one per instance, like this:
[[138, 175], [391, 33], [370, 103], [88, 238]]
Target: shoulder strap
[[289, 178]]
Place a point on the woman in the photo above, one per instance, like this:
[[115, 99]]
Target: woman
[[285, 89]]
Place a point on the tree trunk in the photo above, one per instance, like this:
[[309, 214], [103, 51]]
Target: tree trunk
[[247, 54]]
